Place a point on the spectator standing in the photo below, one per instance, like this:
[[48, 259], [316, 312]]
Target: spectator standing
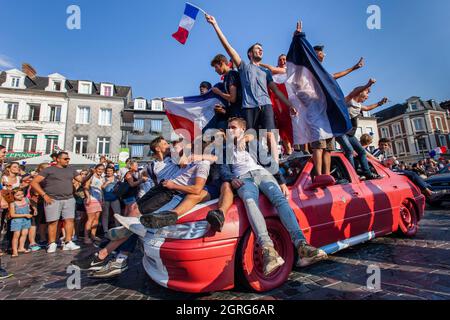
[[93, 203], [19, 212], [57, 192], [111, 201]]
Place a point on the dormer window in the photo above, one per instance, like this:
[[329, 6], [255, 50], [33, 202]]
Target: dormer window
[[107, 90], [15, 82], [140, 104], [85, 87], [414, 106], [57, 86], [157, 105]]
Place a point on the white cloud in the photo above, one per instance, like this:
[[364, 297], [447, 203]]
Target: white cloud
[[5, 62]]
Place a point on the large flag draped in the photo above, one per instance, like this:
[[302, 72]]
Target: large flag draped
[[315, 94], [193, 114]]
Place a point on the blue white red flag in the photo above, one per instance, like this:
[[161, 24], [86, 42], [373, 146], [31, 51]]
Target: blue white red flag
[[186, 23], [321, 106], [193, 114]]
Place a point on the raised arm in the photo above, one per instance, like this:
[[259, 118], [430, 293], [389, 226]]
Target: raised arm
[[375, 105], [228, 48], [357, 91], [274, 70], [231, 97], [357, 66], [196, 188]]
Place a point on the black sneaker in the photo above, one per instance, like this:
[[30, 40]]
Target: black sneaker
[[216, 218], [4, 274], [156, 220], [91, 263], [372, 176], [112, 269]]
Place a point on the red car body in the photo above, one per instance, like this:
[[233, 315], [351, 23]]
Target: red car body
[[333, 218]]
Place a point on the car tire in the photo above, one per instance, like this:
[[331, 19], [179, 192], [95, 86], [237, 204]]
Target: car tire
[[249, 259], [408, 220]]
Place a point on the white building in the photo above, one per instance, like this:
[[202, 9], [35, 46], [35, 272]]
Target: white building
[[33, 112]]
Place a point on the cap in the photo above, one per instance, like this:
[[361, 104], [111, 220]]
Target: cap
[[319, 48]]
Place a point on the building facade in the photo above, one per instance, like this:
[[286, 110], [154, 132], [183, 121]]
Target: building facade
[[415, 128], [94, 118], [142, 121], [41, 114], [33, 113]]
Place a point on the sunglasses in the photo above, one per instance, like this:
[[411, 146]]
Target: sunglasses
[[67, 159]]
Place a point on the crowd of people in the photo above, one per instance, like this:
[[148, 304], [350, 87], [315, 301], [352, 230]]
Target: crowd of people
[[56, 205]]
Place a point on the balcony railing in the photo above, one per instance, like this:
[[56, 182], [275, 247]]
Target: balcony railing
[[27, 119]]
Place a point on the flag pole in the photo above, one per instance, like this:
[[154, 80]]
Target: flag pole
[[204, 12]]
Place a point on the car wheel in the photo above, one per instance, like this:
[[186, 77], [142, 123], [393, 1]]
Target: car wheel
[[408, 225], [249, 261]]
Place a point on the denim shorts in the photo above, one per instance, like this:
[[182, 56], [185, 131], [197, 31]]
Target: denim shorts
[[18, 224]]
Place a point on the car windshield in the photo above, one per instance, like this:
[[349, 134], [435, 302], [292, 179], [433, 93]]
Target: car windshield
[[291, 168]]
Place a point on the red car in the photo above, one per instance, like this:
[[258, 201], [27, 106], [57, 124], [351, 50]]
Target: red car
[[191, 258]]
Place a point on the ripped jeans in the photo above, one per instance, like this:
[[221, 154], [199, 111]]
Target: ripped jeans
[[262, 180]]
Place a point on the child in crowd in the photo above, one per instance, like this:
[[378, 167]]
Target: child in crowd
[[19, 212]]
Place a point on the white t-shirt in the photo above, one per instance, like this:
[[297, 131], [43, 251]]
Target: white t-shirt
[[165, 169], [243, 162], [186, 176], [354, 108]]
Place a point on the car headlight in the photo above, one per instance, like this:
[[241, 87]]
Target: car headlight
[[186, 231]]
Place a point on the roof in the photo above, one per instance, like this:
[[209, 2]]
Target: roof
[[40, 83], [400, 109]]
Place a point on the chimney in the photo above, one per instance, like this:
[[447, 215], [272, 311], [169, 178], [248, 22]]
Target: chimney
[[29, 71]]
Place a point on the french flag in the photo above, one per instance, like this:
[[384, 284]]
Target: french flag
[[320, 102], [186, 23], [192, 114]]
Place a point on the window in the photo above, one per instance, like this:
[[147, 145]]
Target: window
[[103, 144], [156, 126], [400, 147], [139, 104], [33, 112], [157, 105], [438, 123], [419, 124], [369, 130], [107, 90], [397, 129], [384, 132], [12, 111], [80, 144], [137, 151], [15, 82], [422, 144], [30, 142], [51, 142], [138, 125], [84, 88], [414, 106], [338, 171], [293, 168], [55, 114], [83, 115], [442, 141], [105, 117], [7, 140], [56, 85]]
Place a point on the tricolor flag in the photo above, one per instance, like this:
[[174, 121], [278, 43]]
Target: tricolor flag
[[315, 94], [193, 114], [186, 23]]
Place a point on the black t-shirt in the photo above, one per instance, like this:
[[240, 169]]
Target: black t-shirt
[[232, 78]]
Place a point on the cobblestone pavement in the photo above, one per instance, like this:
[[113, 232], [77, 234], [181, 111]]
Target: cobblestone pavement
[[416, 268]]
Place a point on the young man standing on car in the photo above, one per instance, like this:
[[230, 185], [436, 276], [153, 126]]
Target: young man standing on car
[[248, 177], [255, 81]]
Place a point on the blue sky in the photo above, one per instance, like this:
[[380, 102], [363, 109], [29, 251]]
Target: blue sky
[[130, 43]]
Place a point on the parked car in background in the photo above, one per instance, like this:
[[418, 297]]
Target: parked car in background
[[440, 183]]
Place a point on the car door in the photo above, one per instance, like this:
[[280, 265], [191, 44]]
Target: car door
[[336, 212], [383, 198]]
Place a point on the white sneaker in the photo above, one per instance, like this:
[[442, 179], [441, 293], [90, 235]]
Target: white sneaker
[[52, 247], [70, 246], [133, 224]]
